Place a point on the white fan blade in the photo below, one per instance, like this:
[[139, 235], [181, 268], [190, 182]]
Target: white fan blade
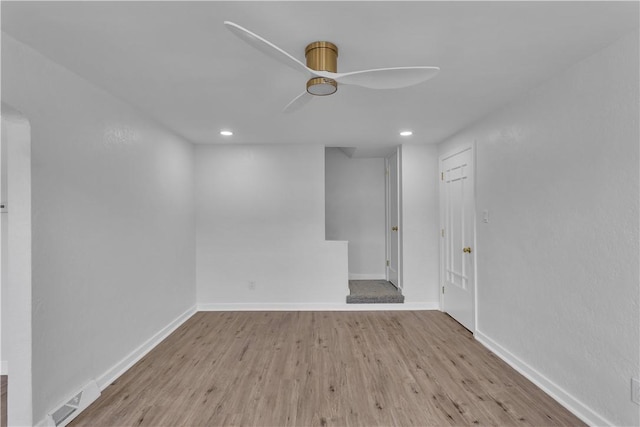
[[383, 78], [266, 47], [298, 102]]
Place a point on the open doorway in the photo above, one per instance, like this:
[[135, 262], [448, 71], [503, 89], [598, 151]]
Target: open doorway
[[393, 233], [356, 210]]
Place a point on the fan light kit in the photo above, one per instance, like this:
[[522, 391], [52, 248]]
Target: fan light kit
[[226, 133], [322, 69]]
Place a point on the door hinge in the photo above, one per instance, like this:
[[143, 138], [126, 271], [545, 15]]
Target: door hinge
[[443, 289], [441, 176], [442, 232], [386, 171], [387, 263]]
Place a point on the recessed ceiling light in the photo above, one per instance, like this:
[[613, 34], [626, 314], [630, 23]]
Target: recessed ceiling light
[[226, 133], [406, 133]]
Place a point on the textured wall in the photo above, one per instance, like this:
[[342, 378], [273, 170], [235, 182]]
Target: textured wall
[[355, 210], [261, 227], [113, 224], [420, 224], [558, 262]]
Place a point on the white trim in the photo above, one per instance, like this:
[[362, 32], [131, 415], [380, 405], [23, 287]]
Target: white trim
[[425, 305], [121, 367], [474, 158], [17, 340], [563, 397], [400, 223], [367, 276], [4, 367], [131, 359], [387, 241]]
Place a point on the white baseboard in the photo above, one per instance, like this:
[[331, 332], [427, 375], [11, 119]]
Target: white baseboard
[[563, 397], [426, 305], [121, 367], [367, 276], [4, 367]]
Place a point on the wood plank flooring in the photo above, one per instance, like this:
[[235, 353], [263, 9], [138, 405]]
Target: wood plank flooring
[[3, 400], [322, 369]]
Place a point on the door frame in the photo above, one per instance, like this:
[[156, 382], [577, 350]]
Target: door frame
[[387, 219], [457, 150], [15, 282]]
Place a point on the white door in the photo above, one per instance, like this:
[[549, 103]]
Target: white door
[[458, 236], [393, 221]]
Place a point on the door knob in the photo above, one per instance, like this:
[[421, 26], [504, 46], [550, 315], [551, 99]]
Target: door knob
[[394, 228], [466, 250]]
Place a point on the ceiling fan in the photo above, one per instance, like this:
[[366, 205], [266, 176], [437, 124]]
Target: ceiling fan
[[322, 68]]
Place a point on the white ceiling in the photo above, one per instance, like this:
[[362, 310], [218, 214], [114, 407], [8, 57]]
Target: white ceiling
[[178, 63]]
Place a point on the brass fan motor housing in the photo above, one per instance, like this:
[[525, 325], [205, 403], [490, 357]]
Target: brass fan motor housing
[[322, 56]]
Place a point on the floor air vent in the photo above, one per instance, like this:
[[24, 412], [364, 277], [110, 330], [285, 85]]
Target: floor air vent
[[70, 409], [66, 410]]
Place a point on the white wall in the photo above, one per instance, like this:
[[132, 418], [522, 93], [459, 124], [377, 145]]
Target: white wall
[[16, 280], [113, 224], [420, 224], [558, 261], [355, 210], [261, 228]]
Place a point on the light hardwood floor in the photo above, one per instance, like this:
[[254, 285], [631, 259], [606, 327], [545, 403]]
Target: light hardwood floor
[[3, 400], [322, 368]]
